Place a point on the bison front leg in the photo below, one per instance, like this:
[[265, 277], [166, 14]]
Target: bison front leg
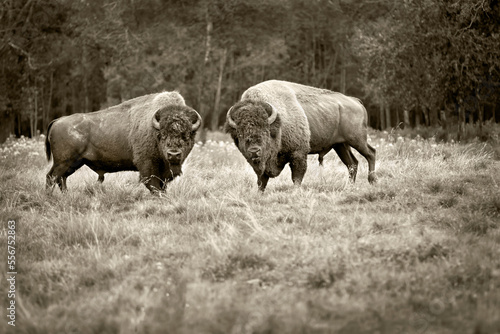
[[100, 179], [298, 165], [152, 182], [262, 181], [150, 176]]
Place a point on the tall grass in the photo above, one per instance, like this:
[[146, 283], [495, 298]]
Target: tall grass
[[418, 252]]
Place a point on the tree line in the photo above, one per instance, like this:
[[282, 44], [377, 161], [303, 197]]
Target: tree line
[[412, 62]]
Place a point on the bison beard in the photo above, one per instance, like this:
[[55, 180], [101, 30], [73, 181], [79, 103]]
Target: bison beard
[[152, 134]]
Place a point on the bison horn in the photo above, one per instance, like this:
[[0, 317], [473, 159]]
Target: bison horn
[[273, 116], [155, 122], [229, 119], [198, 121]]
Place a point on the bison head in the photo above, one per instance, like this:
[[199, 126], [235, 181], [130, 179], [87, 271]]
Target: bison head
[[255, 129], [176, 127]]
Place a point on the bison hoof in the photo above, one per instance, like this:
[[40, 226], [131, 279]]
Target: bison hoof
[[372, 178]]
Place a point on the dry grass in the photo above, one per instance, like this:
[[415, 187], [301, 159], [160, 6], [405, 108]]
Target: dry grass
[[418, 252]]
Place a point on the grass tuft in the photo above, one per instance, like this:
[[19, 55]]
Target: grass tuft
[[325, 276], [237, 263]]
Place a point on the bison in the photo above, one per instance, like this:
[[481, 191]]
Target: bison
[[152, 134], [280, 122]]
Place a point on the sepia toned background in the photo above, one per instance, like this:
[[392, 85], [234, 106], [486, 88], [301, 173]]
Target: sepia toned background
[[417, 252]]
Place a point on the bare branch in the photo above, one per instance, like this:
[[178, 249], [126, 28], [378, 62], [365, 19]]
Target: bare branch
[[26, 5], [28, 56]]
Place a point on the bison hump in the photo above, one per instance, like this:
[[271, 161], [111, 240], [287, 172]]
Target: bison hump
[[168, 98]]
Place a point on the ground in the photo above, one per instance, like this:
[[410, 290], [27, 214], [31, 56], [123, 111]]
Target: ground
[[418, 252]]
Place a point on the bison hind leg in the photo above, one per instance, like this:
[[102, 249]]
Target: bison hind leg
[[372, 177], [347, 157], [57, 175], [60, 172], [51, 180], [367, 151]]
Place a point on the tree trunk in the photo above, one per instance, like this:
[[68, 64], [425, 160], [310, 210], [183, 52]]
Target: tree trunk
[[208, 47], [230, 72], [425, 111], [216, 112], [45, 121], [42, 103], [495, 120], [480, 117], [343, 71], [85, 81], [444, 125], [342, 79], [418, 117], [387, 115], [313, 60], [35, 121], [75, 107], [65, 101], [433, 117], [406, 118], [461, 122], [330, 72], [382, 116], [31, 108], [19, 120]]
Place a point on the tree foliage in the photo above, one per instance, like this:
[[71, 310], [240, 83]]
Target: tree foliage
[[427, 54], [58, 57]]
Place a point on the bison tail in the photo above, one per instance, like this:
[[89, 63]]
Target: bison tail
[[47, 142]]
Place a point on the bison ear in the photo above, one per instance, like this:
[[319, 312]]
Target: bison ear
[[155, 121]]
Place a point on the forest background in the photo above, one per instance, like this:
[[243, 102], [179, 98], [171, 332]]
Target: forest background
[[414, 63]]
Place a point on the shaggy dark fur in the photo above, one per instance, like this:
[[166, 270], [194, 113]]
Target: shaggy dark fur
[[310, 121], [123, 138]]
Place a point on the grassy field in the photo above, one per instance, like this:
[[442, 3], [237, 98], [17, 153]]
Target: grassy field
[[418, 252]]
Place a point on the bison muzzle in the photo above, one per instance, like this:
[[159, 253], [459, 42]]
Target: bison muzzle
[[152, 134]]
